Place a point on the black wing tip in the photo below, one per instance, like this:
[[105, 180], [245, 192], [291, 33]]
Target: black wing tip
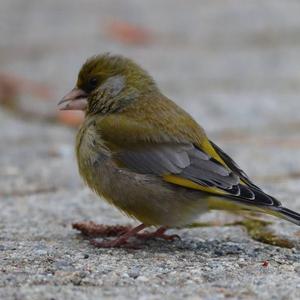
[[252, 196], [235, 168]]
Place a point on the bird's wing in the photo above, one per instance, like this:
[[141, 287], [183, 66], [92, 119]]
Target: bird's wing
[[149, 141], [183, 160], [186, 165], [233, 166]]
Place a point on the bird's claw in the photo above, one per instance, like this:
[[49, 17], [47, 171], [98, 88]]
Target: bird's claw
[[154, 235]]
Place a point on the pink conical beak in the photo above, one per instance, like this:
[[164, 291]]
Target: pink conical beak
[[76, 99]]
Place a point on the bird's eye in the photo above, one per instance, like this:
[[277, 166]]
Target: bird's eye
[[93, 82]]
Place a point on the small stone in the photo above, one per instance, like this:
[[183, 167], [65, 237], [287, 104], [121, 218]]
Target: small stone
[[134, 273], [64, 265], [40, 252], [125, 275], [143, 278]]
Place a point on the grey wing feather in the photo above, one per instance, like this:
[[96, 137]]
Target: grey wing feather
[[191, 163], [158, 160], [183, 159]]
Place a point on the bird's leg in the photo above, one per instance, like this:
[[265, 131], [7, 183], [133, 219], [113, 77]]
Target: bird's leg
[[159, 233], [92, 229], [121, 241]]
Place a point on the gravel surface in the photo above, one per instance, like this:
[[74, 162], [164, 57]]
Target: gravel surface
[[234, 65]]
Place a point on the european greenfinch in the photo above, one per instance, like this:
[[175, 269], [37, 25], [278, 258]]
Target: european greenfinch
[[148, 157]]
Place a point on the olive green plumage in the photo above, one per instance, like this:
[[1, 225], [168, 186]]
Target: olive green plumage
[[150, 158]]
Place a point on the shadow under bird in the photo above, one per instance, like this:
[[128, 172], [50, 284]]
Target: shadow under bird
[[144, 154]]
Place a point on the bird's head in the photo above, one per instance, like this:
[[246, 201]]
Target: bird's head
[[106, 84]]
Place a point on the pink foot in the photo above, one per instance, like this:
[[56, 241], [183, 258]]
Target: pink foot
[[91, 229], [159, 233]]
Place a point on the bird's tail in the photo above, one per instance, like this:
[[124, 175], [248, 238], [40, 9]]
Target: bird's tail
[[277, 211], [285, 213]]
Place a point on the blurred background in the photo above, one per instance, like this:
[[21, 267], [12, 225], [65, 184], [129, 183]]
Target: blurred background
[[233, 64]]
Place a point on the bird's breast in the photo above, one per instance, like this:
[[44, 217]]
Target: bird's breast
[[90, 152]]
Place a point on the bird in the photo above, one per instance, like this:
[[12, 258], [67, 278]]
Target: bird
[[148, 157]]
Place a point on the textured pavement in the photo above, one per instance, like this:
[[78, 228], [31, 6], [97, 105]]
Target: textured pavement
[[233, 65]]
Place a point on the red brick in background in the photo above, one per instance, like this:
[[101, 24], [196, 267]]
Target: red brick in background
[[129, 33]]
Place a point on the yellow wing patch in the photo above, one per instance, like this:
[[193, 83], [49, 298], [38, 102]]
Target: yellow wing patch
[[209, 149], [192, 185]]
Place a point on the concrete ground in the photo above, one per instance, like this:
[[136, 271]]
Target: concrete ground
[[234, 65]]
